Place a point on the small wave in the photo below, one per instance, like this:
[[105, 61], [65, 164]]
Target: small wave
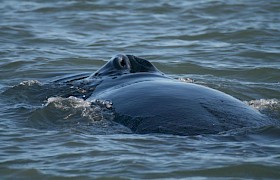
[[30, 91], [186, 80], [49, 106], [264, 104], [270, 107], [30, 83], [76, 106], [26, 84], [35, 93], [77, 115]]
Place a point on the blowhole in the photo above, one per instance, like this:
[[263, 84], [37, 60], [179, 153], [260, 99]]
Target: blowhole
[[122, 63]]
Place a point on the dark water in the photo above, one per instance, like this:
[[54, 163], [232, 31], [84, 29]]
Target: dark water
[[230, 45]]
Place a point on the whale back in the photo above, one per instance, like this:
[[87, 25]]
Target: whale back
[[147, 101], [162, 105]]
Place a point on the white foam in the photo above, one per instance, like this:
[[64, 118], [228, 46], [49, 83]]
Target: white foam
[[105, 103], [78, 107], [264, 104], [75, 102], [30, 83], [186, 80]]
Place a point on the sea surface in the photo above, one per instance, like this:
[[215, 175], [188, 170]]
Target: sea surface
[[229, 45]]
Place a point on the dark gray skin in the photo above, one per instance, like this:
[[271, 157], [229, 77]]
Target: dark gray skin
[[147, 101]]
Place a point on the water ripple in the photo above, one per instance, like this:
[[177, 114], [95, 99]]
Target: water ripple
[[229, 45]]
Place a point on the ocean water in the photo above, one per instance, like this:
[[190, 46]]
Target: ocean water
[[232, 46]]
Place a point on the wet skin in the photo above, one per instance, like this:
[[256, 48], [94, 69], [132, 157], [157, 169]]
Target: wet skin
[[147, 101]]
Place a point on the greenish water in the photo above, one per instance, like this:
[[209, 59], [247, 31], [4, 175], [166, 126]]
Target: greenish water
[[232, 46]]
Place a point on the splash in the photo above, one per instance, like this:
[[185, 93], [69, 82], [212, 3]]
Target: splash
[[77, 115], [73, 107], [24, 85], [30, 83], [29, 92], [186, 80], [104, 103], [262, 104], [270, 107]]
